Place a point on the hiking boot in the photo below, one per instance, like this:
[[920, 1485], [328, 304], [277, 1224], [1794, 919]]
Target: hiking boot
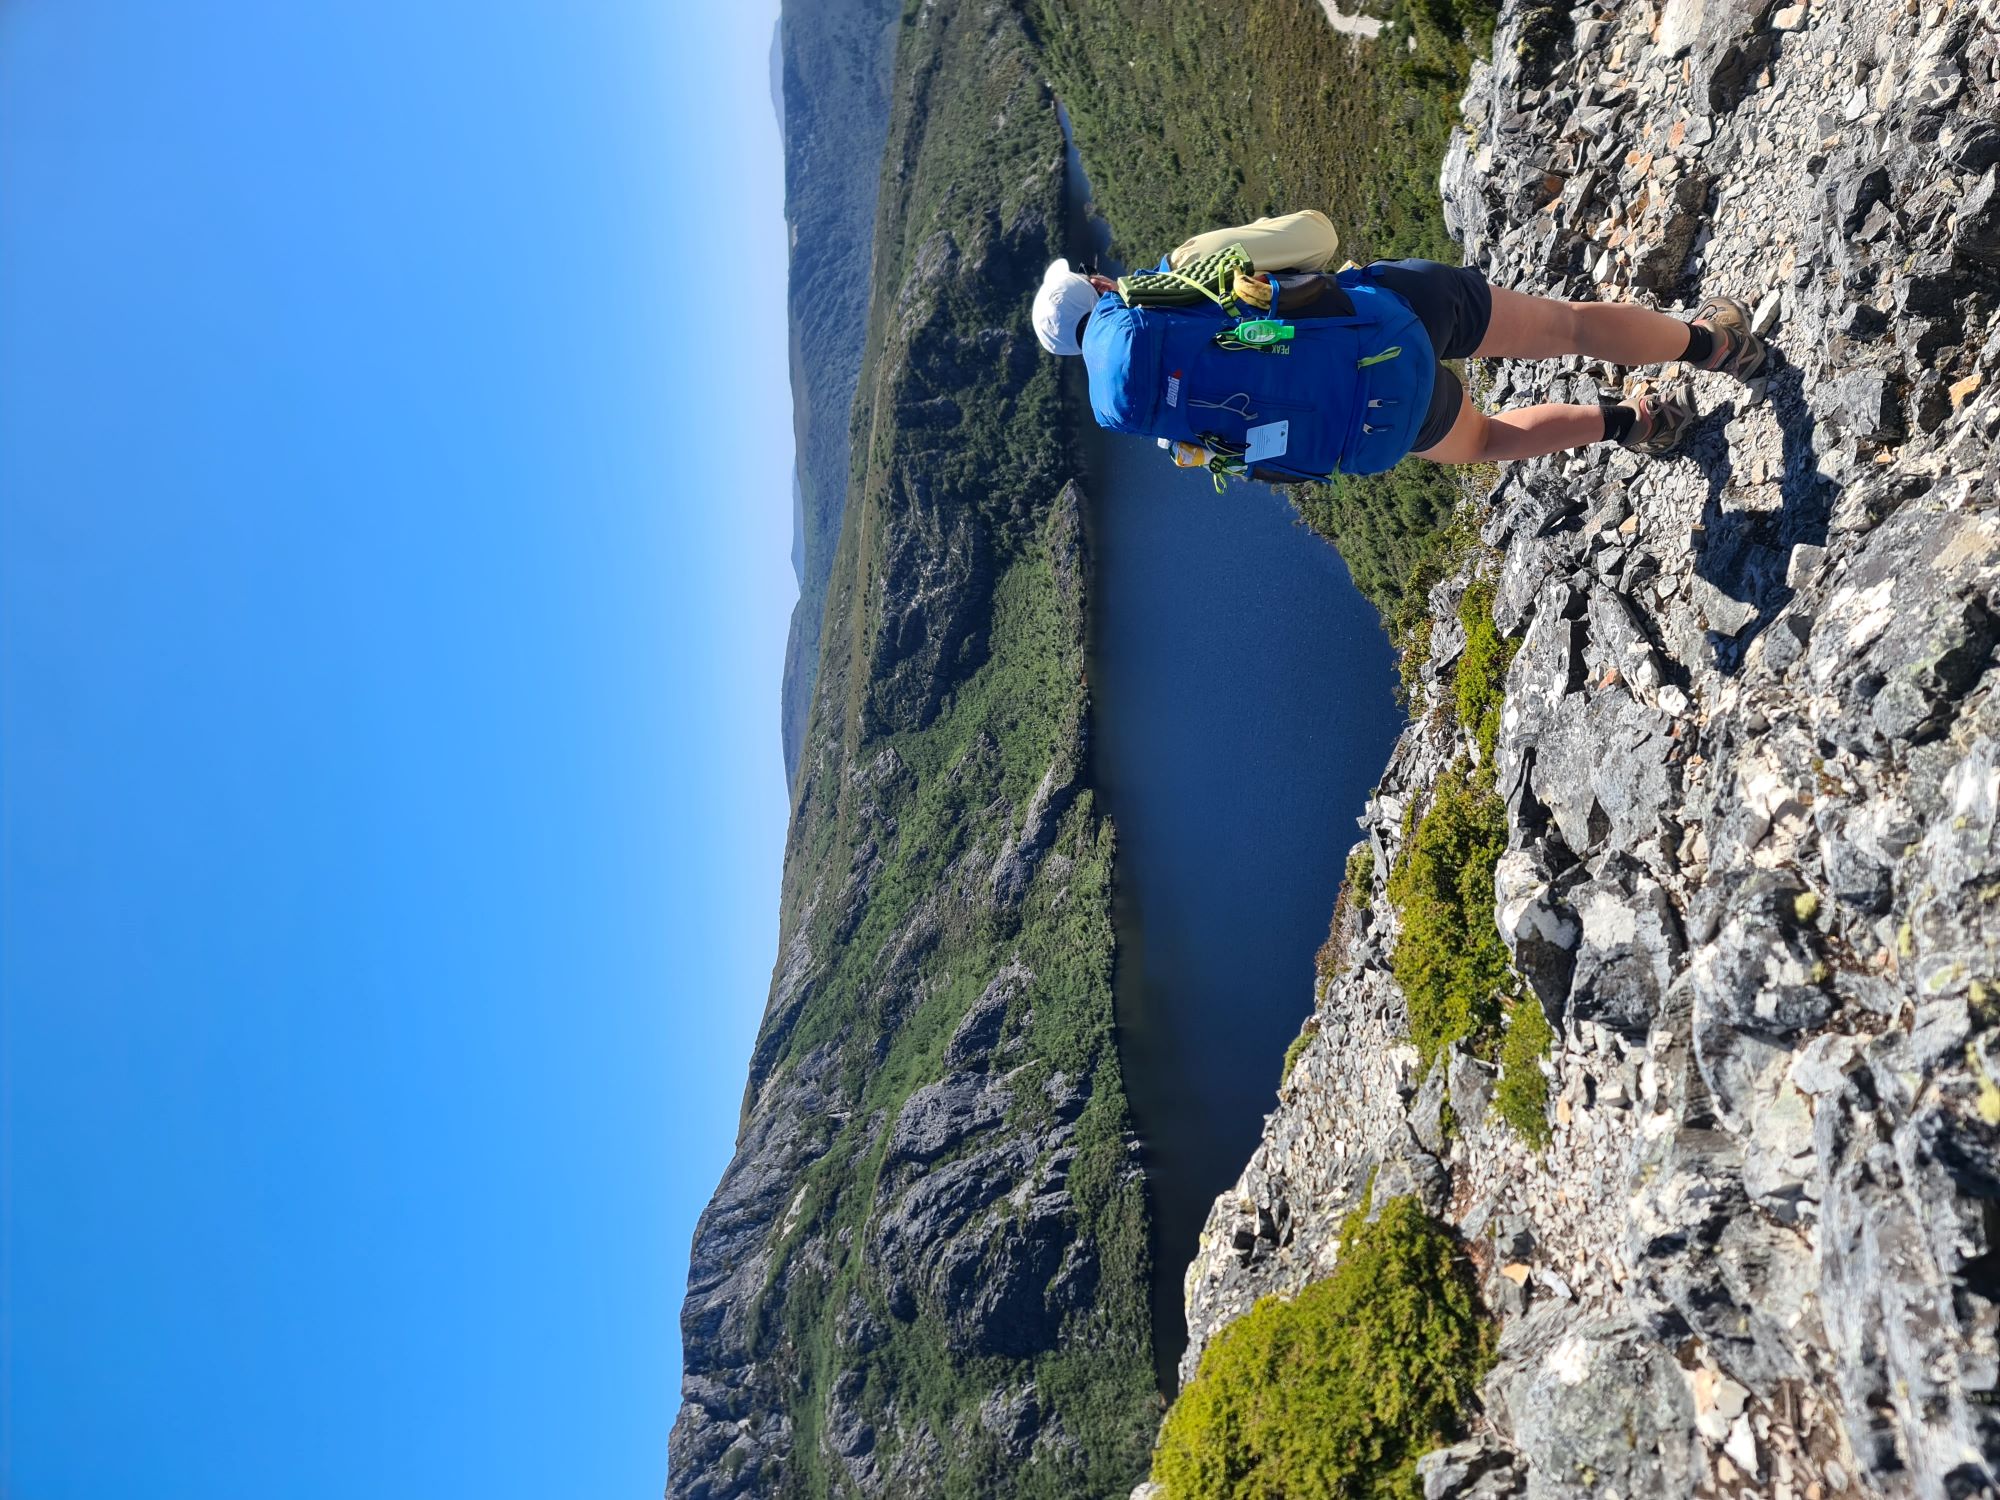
[[1737, 351], [1664, 416]]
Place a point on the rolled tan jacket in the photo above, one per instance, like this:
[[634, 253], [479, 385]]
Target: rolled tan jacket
[[1304, 241]]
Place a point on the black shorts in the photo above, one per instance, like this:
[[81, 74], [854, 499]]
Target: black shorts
[[1454, 303]]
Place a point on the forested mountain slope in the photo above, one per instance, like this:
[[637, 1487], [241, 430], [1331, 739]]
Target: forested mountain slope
[[924, 1271]]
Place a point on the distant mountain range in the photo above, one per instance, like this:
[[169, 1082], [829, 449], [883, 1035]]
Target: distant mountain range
[[830, 65]]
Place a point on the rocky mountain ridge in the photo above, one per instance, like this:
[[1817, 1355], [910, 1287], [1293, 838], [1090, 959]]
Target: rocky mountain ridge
[[1750, 764]]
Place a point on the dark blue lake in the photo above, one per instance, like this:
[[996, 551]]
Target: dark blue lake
[[1244, 708]]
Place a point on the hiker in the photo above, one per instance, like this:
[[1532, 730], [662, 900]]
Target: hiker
[[1343, 373]]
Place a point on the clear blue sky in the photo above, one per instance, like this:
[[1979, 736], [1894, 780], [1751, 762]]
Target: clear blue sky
[[394, 562]]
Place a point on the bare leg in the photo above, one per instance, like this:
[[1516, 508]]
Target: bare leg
[[1528, 432], [1525, 327]]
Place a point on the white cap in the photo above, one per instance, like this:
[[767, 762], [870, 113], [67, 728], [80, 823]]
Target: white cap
[[1060, 305]]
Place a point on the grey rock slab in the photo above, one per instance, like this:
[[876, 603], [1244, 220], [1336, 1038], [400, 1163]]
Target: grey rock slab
[[1599, 1406], [1977, 235], [1868, 405], [1604, 768], [1823, 1064], [1767, 969], [1630, 950], [1716, 610], [939, 1115], [1538, 925], [1408, 1170], [979, 1033], [1481, 1468], [1804, 564]]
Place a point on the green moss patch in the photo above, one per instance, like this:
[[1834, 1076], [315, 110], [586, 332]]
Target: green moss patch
[[1337, 1392], [1523, 1095], [1448, 957], [1361, 871], [1482, 669]]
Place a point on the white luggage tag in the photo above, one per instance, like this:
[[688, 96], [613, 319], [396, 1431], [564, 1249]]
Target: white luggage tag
[[1267, 441]]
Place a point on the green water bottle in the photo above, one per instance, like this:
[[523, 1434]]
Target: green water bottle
[[1260, 333]]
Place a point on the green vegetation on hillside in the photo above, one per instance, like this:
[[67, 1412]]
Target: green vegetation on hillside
[[1360, 878], [1522, 1097], [950, 696], [1387, 528], [1482, 668], [1448, 956], [1339, 1391], [1192, 115], [950, 690], [1294, 1052]]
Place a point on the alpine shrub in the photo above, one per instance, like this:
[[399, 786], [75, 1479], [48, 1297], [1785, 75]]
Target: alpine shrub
[[1482, 669], [1361, 871], [1448, 957], [1339, 1391], [1523, 1093]]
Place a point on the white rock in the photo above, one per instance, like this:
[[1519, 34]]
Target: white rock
[[1804, 566], [1791, 18], [1742, 1445], [1766, 316], [1823, 1062], [1569, 1361], [1680, 24], [1730, 1398], [1889, 84]]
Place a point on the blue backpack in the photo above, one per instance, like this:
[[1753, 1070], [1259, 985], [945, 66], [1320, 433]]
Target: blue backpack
[[1345, 395]]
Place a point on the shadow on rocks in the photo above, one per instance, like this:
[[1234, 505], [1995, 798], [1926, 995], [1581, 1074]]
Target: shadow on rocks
[[1742, 561]]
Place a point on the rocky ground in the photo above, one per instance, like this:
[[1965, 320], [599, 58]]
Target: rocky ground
[[1751, 761]]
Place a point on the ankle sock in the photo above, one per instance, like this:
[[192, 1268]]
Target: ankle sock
[[1618, 421], [1701, 344]]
